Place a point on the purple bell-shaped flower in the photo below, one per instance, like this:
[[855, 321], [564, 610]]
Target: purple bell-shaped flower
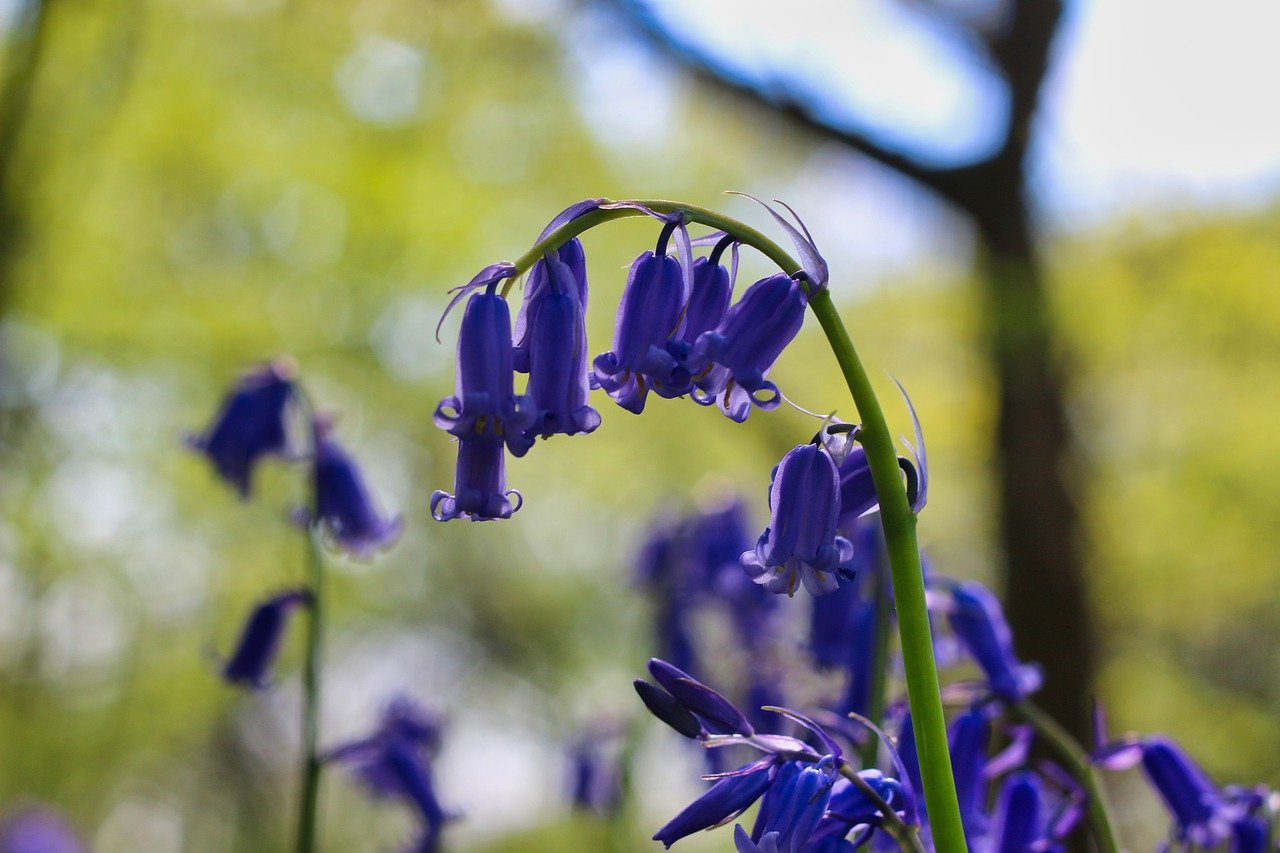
[[260, 640], [479, 485], [800, 545], [345, 510]]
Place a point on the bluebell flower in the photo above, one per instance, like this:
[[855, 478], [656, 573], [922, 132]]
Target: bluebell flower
[[800, 545], [485, 403], [744, 347], [395, 762], [1019, 820], [346, 512], [1250, 818], [708, 304], [595, 776], [969, 735], [1200, 813], [725, 799], [849, 807], [251, 424], [648, 315], [978, 623], [551, 345], [794, 804], [479, 484], [261, 638], [38, 829]]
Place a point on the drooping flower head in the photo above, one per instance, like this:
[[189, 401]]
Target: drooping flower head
[[978, 622], [551, 345], [251, 424], [261, 638], [648, 315], [485, 403], [800, 545], [345, 510], [708, 303], [479, 484], [744, 347], [395, 762]]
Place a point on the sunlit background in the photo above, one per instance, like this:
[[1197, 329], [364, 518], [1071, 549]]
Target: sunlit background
[[196, 186]]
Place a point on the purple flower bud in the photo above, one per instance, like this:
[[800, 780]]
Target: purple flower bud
[[745, 345], [728, 797], [479, 485], [979, 624], [666, 708], [800, 545], [345, 510], [486, 404], [38, 829], [551, 346], [648, 315], [260, 641], [700, 699], [251, 424]]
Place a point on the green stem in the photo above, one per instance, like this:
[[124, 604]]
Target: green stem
[[1098, 810], [883, 604], [309, 792], [899, 523], [897, 519], [906, 836]]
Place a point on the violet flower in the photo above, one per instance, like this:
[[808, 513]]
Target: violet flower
[[551, 346], [486, 403], [979, 624], [345, 511], [800, 545], [250, 424], [395, 762], [724, 800], [794, 804], [479, 484], [38, 829], [744, 347], [648, 315], [708, 304], [595, 777], [969, 734], [261, 638]]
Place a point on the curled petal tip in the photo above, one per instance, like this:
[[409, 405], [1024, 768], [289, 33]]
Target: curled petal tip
[[811, 260]]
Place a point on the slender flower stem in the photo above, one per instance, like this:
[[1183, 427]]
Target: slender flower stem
[[1098, 809], [309, 792], [906, 836], [883, 616], [897, 519]]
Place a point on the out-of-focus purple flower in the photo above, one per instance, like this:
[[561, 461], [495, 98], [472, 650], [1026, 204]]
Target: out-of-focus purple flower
[[1250, 819], [485, 403], [1019, 820], [743, 348], [395, 762], [595, 776], [551, 345], [800, 545], [978, 623], [648, 315], [970, 733], [250, 424], [479, 484], [1200, 813], [260, 640], [38, 829], [345, 510], [727, 798]]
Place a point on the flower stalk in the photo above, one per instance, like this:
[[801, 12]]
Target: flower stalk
[[897, 517], [311, 764]]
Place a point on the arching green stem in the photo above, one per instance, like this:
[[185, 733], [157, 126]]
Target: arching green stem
[[898, 520], [1098, 810]]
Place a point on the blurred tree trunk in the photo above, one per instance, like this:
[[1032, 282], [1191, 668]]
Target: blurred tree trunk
[[1045, 597]]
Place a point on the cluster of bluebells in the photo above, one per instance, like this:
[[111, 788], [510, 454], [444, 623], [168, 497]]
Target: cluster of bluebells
[[267, 415], [678, 333], [395, 762]]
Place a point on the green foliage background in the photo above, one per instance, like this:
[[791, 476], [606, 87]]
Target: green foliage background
[[191, 195]]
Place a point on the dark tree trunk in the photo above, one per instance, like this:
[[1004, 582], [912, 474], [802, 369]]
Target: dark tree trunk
[[1045, 596]]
